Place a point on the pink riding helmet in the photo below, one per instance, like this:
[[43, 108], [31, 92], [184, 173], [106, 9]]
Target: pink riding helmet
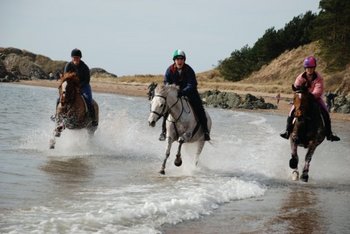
[[310, 62]]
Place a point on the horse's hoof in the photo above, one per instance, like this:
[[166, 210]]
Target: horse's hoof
[[52, 143], [293, 163], [162, 172], [178, 162], [304, 177], [295, 175]]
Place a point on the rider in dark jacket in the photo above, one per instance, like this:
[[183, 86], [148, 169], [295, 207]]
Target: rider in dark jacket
[[182, 75], [83, 72]]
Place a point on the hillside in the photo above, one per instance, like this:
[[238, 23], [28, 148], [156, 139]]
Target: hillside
[[275, 77], [282, 71]]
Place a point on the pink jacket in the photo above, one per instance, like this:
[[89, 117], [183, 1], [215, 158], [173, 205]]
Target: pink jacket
[[316, 87]]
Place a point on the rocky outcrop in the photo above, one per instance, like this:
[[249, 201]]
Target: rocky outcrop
[[229, 100], [16, 64], [99, 72], [341, 104]]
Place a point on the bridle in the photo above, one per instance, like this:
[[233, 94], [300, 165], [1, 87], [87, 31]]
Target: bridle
[[163, 109], [169, 108]]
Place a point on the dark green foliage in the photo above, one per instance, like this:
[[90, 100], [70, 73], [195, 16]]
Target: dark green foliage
[[242, 62], [333, 30], [238, 64]]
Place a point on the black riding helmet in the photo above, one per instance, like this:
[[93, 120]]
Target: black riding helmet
[[76, 52]]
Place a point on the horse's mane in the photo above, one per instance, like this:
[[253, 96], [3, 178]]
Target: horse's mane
[[69, 76], [165, 89]]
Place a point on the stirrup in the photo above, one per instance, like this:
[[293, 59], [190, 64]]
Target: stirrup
[[162, 136]]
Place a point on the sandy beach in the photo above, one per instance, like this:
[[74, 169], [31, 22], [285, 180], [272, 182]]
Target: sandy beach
[[140, 89]]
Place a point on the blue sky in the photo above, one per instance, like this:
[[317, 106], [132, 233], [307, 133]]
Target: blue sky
[[128, 37]]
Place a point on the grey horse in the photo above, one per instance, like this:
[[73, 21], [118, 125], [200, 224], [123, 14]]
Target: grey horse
[[181, 124]]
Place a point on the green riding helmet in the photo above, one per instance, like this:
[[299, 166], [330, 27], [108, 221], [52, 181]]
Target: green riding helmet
[[179, 54]]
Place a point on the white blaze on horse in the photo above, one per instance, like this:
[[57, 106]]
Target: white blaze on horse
[[308, 131], [181, 125], [72, 111]]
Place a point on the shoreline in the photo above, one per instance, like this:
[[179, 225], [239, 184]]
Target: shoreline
[[140, 90]]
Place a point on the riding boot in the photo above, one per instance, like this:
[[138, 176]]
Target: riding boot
[[289, 128], [162, 134], [92, 113], [328, 128], [204, 124]]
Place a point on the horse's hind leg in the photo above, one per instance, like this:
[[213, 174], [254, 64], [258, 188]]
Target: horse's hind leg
[[305, 175], [199, 151]]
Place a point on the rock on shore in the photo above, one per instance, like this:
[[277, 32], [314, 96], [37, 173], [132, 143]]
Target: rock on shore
[[229, 100]]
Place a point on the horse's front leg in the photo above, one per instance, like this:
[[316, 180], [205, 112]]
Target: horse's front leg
[[305, 175], [52, 142], [167, 154], [178, 160], [57, 131], [293, 162]]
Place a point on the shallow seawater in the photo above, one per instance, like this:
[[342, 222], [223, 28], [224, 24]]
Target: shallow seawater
[[110, 183]]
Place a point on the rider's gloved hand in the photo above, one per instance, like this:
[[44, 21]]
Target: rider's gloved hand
[[180, 94]]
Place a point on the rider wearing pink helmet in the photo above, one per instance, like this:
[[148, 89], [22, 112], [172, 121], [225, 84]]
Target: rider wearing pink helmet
[[314, 82]]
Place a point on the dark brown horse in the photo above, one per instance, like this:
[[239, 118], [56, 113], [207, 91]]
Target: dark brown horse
[[308, 130], [72, 111]]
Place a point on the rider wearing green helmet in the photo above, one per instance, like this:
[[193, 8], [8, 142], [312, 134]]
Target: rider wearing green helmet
[[179, 54], [182, 75]]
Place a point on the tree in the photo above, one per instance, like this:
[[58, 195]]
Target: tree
[[333, 30]]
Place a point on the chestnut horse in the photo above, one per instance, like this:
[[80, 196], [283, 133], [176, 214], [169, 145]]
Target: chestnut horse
[[308, 130], [72, 111]]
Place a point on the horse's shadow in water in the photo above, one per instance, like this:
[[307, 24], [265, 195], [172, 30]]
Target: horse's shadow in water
[[72, 111], [308, 130], [181, 124]]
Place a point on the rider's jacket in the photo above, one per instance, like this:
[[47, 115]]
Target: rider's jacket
[[184, 78], [315, 86], [82, 71]]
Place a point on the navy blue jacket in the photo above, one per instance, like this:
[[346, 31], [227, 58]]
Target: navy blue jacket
[[186, 80], [82, 71]]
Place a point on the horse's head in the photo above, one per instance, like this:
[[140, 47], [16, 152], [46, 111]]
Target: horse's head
[[302, 101], [163, 94], [68, 88], [304, 111]]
